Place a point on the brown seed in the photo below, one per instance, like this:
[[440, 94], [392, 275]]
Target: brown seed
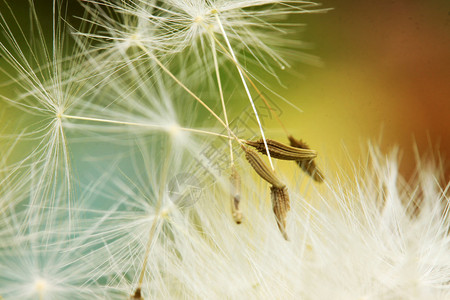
[[261, 168], [308, 166], [235, 180], [280, 205], [282, 151], [137, 295]]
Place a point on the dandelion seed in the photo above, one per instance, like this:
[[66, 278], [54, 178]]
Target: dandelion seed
[[262, 169], [308, 166], [137, 295], [281, 151], [279, 193], [281, 206], [47, 86], [39, 262], [235, 180]]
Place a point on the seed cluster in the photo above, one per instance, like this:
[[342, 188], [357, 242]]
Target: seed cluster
[[282, 151], [298, 151]]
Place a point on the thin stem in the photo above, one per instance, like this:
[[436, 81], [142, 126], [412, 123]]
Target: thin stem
[[147, 250], [162, 188], [246, 90], [148, 125], [219, 83], [244, 72]]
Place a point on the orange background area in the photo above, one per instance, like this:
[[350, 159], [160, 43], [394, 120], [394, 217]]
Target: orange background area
[[386, 73]]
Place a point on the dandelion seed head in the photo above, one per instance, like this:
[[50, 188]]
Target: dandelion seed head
[[41, 286], [175, 130], [198, 19], [133, 40]]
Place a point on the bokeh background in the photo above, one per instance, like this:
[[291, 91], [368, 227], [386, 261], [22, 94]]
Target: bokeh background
[[385, 77]]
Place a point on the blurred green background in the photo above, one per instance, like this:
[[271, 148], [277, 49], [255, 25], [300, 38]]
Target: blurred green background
[[385, 73]]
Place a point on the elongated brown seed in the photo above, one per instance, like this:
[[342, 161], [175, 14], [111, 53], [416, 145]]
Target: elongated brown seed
[[308, 166], [280, 205], [261, 168], [281, 151], [235, 180]]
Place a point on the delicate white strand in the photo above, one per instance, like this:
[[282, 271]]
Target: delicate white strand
[[246, 90], [222, 100], [148, 125]]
